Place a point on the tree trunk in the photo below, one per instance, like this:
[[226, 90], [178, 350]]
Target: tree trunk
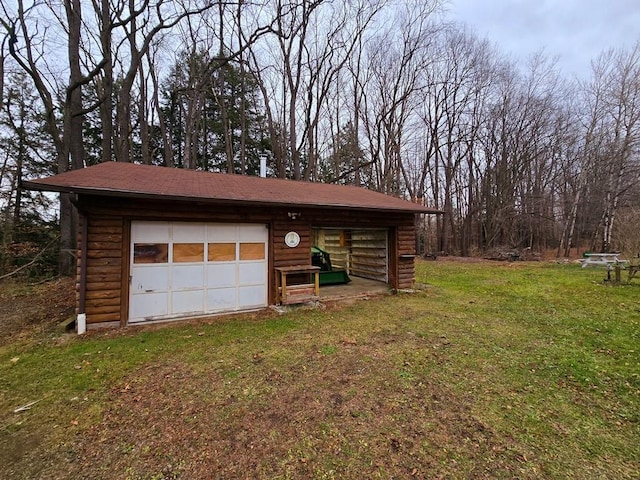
[[73, 123], [105, 87]]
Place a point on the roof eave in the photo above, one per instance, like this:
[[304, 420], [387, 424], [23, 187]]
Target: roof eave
[[92, 191]]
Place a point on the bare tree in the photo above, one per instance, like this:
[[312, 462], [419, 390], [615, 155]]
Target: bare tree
[[3, 45], [627, 231], [624, 110], [457, 83], [332, 48], [391, 83], [609, 169], [214, 41], [141, 25], [586, 156], [25, 153], [297, 72], [28, 49], [104, 82]]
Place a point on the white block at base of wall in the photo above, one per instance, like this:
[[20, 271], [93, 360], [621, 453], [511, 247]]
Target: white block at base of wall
[[81, 323]]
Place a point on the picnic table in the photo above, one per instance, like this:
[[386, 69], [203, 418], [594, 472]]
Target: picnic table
[[608, 260], [611, 261], [633, 267]]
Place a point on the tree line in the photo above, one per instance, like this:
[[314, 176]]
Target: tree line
[[385, 94]]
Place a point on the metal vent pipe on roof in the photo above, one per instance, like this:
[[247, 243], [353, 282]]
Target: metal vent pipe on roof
[[263, 166]]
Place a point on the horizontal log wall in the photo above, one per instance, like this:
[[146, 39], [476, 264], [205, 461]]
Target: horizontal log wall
[[406, 240], [104, 268], [370, 254], [285, 256], [406, 250]]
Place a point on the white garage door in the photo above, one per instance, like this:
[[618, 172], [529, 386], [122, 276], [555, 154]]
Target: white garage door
[[180, 269]]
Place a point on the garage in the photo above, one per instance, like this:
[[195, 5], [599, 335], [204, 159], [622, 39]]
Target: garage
[[189, 268], [158, 243]]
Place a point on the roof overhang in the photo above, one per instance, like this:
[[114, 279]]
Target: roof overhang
[[106, 180], [212, 201]]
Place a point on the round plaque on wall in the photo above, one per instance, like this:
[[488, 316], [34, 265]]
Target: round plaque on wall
[[292, 239]]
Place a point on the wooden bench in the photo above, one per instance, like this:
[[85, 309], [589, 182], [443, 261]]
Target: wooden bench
[[297, 293]]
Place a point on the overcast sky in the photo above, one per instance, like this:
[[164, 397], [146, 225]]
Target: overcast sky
[[576, 31]]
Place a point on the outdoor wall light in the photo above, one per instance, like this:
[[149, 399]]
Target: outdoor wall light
[[294, 215]]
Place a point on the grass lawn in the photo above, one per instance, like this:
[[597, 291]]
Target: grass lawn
[[523, 370]]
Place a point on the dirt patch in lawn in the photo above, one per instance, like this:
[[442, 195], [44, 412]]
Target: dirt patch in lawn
[[346, 411], [29, 310]]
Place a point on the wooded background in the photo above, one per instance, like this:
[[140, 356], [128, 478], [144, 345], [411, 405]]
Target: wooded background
[[388, 95]]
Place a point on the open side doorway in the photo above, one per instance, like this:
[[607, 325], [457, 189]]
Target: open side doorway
[[363, 254]]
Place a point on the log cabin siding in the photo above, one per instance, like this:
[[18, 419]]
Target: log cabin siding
[[406, 251], [104, 268], [284, 256], [406, 240], [108, 239], [406, 273]]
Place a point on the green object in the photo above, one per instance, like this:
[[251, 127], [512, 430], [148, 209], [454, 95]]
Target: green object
[[328, 274], [334, 277]]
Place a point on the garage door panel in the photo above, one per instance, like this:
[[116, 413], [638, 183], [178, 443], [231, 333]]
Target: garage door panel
[[147, 253], [187, 277], [251, 273], [249, 233], [189, 233], [190, 301], [149, 305], [150, 231], [222, 233], [150, 279], [221, 275], [221, 299], [251, 296]]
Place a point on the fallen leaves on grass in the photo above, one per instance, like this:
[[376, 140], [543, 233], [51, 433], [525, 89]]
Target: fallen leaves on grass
[[26, 310], [335, 415]]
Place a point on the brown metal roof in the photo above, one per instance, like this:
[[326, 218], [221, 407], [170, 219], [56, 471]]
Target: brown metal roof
[[134, 180]]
